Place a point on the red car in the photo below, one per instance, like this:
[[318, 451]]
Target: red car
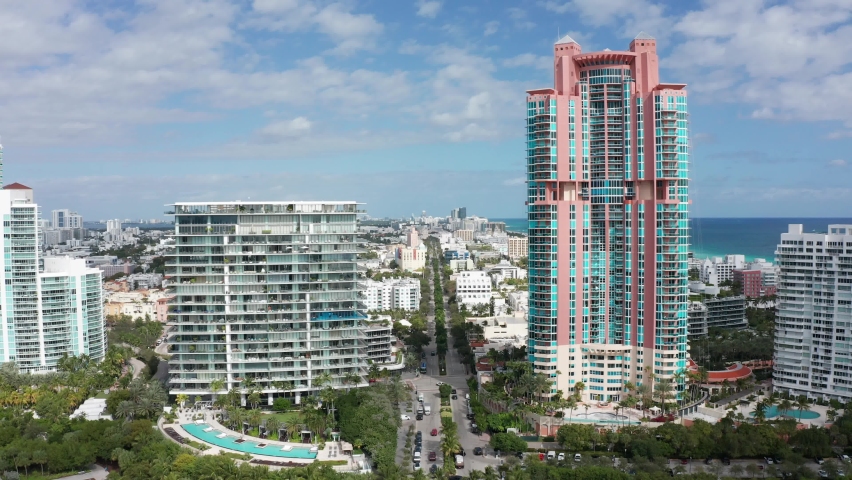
[[433, 456], [434, 432]]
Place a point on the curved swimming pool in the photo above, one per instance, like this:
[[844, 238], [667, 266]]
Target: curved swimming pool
[[246, 446]]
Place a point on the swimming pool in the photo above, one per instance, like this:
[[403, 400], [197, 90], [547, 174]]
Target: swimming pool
[[603, 417], [773, 412], [248, 446]]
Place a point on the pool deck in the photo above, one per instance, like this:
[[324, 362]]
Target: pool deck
[[748, 410], [332, 450]]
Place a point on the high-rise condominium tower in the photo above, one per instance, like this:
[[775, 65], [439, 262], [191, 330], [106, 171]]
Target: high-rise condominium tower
[[50, 307], [813, 345], [607, 157], [266, 297]]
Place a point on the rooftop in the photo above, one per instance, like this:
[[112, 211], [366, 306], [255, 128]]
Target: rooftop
[[16, 186]]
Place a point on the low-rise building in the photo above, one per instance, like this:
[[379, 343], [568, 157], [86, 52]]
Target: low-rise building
[[392, 294], [505, 270], [411, 259], [460, 265], [720, 269], [716, 312], [503, 330], [473, 288], [144, 281]]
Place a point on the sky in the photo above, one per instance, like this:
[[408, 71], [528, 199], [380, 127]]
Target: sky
[[115, 108]]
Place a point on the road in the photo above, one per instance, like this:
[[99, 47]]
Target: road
[[428, 385], [95, 471]]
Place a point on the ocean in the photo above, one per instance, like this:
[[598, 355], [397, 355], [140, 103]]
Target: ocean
[[714, 237]]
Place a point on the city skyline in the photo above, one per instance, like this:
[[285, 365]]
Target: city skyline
[[305, 100]]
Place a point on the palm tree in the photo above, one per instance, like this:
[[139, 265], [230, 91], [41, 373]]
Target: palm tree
[[352, 378], [321, 380], [802, 404], [125, 410], [760, 412], [570, 404], [181, 399], [490, 473], [292, 428], [449, 445], [784, 406], [664, 387], [579, 387], [216, 386], [255, 418], [644, 392], [769, 401]]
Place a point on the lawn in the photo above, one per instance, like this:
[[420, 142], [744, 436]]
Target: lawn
[[285, 417]]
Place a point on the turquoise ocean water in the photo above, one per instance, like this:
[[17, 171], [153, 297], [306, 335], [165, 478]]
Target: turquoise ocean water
[[752, 237]]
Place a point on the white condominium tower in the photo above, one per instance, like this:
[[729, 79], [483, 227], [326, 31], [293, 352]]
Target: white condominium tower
[[50, 307], [266, 293], [813, 356]]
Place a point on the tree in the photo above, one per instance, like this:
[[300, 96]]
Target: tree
[[508, 442], [281, 404], [181, 399], [272, 425], [216, 386], [579, 387], [802, 404]]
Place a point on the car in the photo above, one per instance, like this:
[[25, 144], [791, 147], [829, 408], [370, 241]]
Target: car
[[418, 434], [418, 448], [777, 460], [416, 466], [422, 354], [561, 456], [726, 461], [419, 416], [844, 458], [433, 468], [708, 461], [453, 392], [840, 472], [819, 460], [769, 460], [405, 417], [455, 397], [578, 457], [478, 451], [418, 441], [476, 431], [439, 383], [684, 461], [822, 474], [434, 432], [433, 456], [433, 353], [461, 452]]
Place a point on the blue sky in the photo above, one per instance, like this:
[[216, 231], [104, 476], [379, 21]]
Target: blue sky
[[114, 108]]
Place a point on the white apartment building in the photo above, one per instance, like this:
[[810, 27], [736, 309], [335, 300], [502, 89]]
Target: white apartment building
[[65, 218], [473, 288], [813, 343], [720, 269], [392, 294], [518, 247], [51, 306], [268, 291], [505, 270]]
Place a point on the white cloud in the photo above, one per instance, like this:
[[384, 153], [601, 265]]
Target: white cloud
[[630, 16], [839, 162], [428, 9], [520, 19], [529, 60], [352, 32], [515, 181], [296, 127], [491, 28]]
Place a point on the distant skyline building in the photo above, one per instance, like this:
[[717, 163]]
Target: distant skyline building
[[813, 343], [50, 306], [607, 177], [268, 292], [65, 218]]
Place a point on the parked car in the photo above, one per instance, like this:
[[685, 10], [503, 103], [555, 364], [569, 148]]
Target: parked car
[[708, 461], [684, 461], [434, 432], [578, 457], [433, 468], [561, 456], [453, 392], [455, 397], [819, 460], [405, 417], [726, 461], [419, 416], [433, 456], [769, 460], [478, 451], [416, 466], [433, 353], [844, 458]]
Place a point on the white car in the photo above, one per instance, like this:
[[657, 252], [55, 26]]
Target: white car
[[439, 383], [845, 458], [405, 417], [561, 456]]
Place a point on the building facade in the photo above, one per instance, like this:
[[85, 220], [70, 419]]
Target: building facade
[[266, 291], [464, 235], [391, 294], [607, 156], [518, 247], [473, 288], [716, 312], [720, 269], [813, 346], [66, 219], [51, 306], [411, 259]]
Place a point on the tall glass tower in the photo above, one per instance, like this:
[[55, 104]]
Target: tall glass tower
[[607, 175]]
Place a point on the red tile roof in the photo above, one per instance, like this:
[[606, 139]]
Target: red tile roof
[[16, 186]]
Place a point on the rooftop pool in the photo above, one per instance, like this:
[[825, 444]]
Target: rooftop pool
[[249, 445]]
